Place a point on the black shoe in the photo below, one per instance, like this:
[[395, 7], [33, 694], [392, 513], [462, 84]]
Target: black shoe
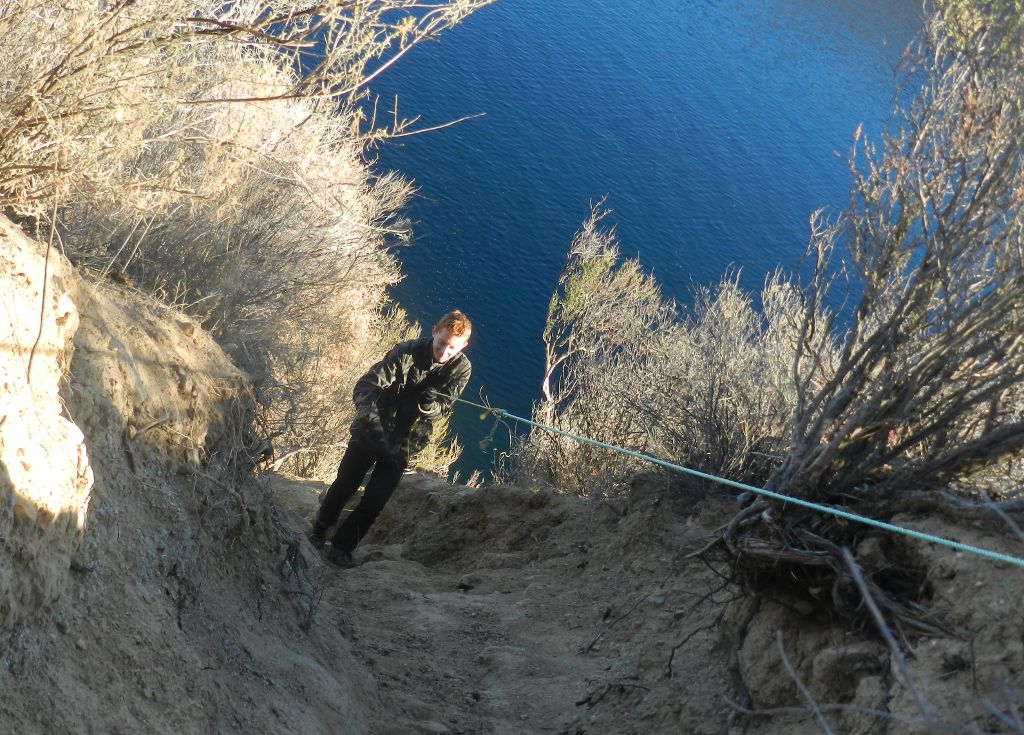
[[318, 534], [341, 558]]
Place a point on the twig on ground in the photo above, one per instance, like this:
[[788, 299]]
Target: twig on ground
[[590, 646], [883, 629], [689, 636], [804, 691], [734, 666], [152, 424], [294, 571], [243, 510], [709, 595], [592, 699]]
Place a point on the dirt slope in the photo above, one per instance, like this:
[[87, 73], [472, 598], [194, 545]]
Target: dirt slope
[[177, 605], [45, 476], [190, 601], [506, 611]]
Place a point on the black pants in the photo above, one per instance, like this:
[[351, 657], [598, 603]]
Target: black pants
[[385, 478]]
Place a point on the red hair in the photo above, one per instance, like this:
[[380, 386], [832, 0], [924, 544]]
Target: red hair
[[456, 323]]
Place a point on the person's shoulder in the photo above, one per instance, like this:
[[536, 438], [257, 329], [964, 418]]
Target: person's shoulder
[[411, 345], [408, 347], [462, 364]]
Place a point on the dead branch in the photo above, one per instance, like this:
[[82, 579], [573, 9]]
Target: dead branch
[[812, 705], [740, 686], [686, 639], [894, 650], [243, 510]]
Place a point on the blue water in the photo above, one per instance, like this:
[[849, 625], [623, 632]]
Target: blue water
[[712, 126]]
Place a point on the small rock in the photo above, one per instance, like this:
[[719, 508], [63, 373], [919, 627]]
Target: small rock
[[80, 643]]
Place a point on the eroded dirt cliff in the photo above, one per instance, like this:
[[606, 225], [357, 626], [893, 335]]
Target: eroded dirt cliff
[[45, 476]]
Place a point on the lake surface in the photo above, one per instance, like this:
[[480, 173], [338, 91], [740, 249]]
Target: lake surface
[[711, 126]]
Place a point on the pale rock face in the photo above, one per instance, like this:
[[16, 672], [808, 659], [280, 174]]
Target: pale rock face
[[45, 477]]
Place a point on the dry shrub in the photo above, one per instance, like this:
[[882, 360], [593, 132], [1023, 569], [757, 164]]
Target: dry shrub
[[90, 90], [440, 453], [725, 390], [924, 396], [927, 388], [213, 153], [599, 316], [713, 388]]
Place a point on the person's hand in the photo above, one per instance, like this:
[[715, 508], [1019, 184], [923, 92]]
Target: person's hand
[[370, 436], [429, 402]]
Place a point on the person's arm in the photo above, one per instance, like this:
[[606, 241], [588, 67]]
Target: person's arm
[[381, 376], [436, 403]]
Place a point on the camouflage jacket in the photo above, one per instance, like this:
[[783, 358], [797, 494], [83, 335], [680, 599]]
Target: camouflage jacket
[[391, 415]]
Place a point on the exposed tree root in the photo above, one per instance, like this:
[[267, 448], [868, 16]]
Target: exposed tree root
[[769, 548]]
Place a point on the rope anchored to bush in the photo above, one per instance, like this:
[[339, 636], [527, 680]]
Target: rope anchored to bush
[[994, 555]]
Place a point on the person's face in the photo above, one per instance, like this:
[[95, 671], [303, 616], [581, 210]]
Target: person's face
[[446, 345]]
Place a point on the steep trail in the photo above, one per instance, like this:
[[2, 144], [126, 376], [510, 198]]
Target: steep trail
[[477, 611], [170, 605], [174, 596], [509, 610]]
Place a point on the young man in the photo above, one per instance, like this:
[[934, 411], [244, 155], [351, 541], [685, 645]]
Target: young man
[[398, 402]]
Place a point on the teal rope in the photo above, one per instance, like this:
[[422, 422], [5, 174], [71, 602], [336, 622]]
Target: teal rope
[[995, 555]]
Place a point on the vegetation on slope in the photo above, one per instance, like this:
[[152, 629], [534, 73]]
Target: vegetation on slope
[[213, 153], [908, 398]]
